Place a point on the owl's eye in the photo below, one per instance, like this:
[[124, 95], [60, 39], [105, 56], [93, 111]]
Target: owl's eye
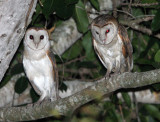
[[107, 31], [31, 37], [41, 37]]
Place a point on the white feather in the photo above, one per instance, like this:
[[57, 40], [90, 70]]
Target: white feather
[[40, 73], [37, 64]]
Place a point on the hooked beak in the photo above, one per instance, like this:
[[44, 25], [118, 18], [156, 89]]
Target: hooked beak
[[36, 45]]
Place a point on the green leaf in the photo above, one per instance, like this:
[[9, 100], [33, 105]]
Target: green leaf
[[143, 61], [87, 44], [156, 22], [5, 80], [137, 12], [115, 115], [74, 51], [95, 4], [157, 56], [156, 65], [68, 2], [153, 111], [34, 95], [63, 87], [156, 86], [62, 9], [81, 17], [145, 118], [149, 1], [48, 8], [21, 85], [37, 13], [126, 112], [18, 68], [109, 119], [126, 98]]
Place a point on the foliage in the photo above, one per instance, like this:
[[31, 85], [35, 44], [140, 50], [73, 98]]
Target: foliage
[[146, 57]]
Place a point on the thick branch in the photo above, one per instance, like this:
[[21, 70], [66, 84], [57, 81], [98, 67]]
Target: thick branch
[[69, 104], [15, 15]]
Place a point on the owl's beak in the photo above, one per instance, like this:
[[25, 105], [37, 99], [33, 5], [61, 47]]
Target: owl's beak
[[36, 45]]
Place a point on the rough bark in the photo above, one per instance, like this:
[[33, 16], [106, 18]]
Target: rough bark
[[15, 15], [69, 104]]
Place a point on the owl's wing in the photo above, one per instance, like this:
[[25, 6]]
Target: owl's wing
[[127, 46], [55, 71]]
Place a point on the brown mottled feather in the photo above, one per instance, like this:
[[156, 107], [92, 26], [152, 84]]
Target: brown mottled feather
[[127, 47], [124, 51], [55, 71]]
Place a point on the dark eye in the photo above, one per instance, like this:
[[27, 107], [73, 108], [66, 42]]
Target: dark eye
[[107, 31], [41, 37], [31, 37]]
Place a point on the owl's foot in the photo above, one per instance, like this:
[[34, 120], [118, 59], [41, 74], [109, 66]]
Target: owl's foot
[[115, 73], [30, 105], [107, 75]]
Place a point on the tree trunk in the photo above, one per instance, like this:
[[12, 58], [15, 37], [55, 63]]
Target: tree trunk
[[15, 15]]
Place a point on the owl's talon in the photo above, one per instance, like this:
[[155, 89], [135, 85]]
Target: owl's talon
[[107, 75], [30, 105]]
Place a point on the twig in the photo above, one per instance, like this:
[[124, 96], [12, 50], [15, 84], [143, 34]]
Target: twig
[[126, 13], [136, 107], [129, 6], [74, 60], [139, 20], [121, 112], [114, 8], [40, 3], [139, 27]]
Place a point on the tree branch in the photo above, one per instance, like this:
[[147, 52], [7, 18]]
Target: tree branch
[[133, 24], [69, 104], [140, 4], [15, 16]]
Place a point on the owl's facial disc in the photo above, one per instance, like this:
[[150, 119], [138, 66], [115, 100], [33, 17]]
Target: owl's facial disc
[[104, 35], [109, 32], [36, 39]]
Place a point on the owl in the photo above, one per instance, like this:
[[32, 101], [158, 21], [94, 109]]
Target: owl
[[39, 64], [112, 45]]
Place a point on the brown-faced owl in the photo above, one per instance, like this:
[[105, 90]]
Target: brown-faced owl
[[39, 64], [111, 44]]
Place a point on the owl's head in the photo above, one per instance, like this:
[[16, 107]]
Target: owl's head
[[104, 28], [36, 39]]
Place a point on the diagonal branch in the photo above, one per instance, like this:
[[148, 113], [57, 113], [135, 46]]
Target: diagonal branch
[[134, 25], [69, 104]]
